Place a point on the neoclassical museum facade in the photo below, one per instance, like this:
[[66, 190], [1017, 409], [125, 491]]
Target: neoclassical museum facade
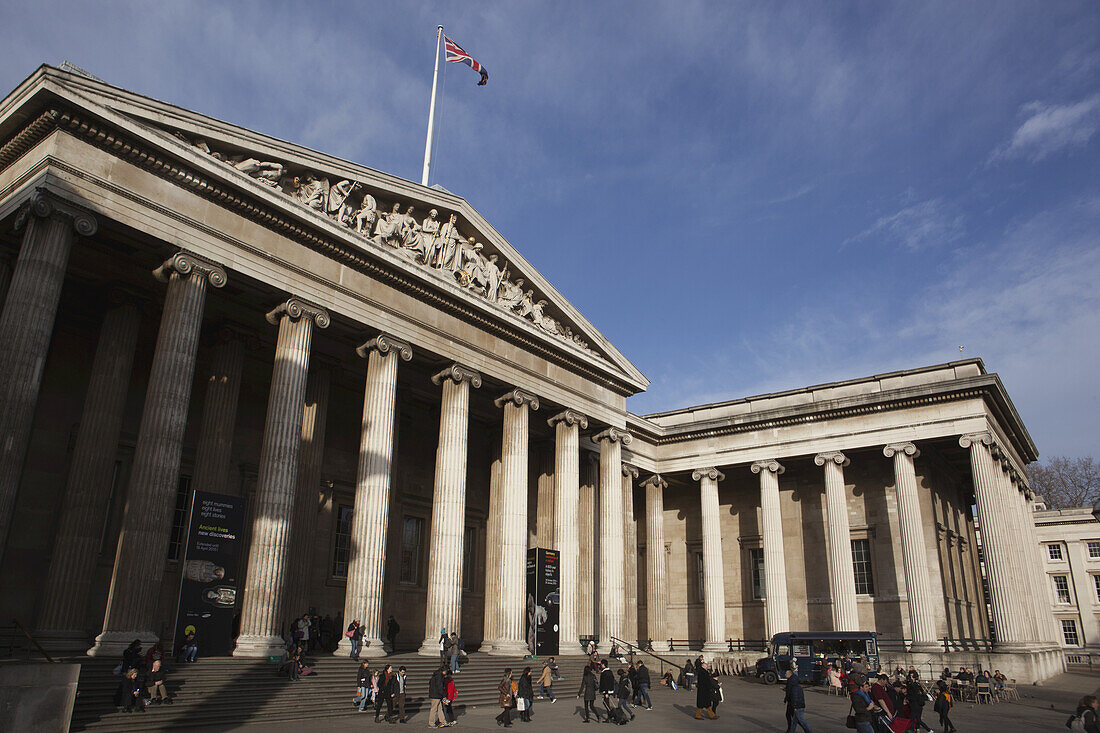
[[408, 406]]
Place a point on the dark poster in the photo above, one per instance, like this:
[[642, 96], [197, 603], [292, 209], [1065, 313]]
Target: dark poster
[[208, 584], [543, 601]]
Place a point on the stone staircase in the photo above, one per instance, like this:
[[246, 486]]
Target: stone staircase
[[224, 690]]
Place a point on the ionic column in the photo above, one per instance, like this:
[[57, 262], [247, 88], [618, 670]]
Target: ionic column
[[444, 607], [611, 535], [1028, 572], [714, 581], [567, 478], [493, 529], [630, 557], [26, 325], [775, 569], [369, 522], [587, 524], [266, 583], [544, 505], [842, 579], [303, 526], [997, 542], [656, 601], [219, 416], [922, 614], [88, 488], [151, 495]]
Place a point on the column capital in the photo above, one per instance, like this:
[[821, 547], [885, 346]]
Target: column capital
[[569, 417], [655, 480], [615, 435], [771, 465], [458, 374], [295, 308], [184, 263], [383, 343], [518, 397], [835, 456], [44, 206], [984, 437], [909, 449], [710, 472], [630, 471]]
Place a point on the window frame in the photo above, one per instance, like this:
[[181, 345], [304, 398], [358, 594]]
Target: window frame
[[1058, 591], [867, 561], [416, 565], [337, 547], [1072, 629], [177, 537], [469, 559], [1054, 552], [1089, 545], [757, 569]]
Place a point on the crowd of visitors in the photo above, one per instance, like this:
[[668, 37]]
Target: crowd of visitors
[[142, 677]]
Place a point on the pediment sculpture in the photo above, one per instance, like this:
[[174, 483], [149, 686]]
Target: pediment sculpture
[[430, 242]]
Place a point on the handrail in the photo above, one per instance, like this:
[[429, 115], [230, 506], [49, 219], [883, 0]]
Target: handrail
[[632, 649], [34, 641]]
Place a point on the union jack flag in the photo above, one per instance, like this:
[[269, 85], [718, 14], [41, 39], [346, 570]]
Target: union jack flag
[[455, 53]]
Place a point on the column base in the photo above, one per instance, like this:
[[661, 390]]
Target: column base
[[571, 649], [509, 648], [113, 643], [713, 648], [372, 648], [258, 645], [430, 648], [63, 643], [925, 647]]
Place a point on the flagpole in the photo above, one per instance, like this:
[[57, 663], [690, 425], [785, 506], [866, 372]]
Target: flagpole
[[431, 113]]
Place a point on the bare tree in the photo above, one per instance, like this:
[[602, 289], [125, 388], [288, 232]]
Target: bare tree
[[1066, 482]]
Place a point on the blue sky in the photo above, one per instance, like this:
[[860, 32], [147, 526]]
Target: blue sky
[[744, 197]]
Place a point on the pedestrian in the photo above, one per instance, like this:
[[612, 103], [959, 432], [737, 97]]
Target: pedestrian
[[437, 688], [1086, 714], [326, 632], [880, 693], [554, 674], [128, 696], [795, 698], [362, 686], [158, 693], [506, 699], [590, 649], [399, 693], [864, 708], [942, 706], [452, 652], [705, 691], [355, 635], [915, 696], [642, 675], [525, 693], [450, 694], [632, 675], [387, 690], [624, 691], [587, 692], [391, 633], [607, 688], [688, 676], [546, 682]]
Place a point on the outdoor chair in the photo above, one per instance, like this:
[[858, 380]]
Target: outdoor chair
[[984, 694], [1010, 692]]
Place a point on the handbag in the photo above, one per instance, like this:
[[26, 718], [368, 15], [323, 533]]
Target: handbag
[[349, 633], [850, 721]]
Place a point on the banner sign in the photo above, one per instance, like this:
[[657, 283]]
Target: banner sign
[[543, 601], [208, 583]]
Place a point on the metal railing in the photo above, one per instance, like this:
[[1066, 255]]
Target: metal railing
[[12, 639], [633, 650]]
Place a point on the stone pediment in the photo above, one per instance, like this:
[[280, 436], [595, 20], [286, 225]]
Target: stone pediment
[[438, 236]]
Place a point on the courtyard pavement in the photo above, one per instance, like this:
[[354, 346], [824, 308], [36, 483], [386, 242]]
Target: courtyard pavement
[[748, 706]]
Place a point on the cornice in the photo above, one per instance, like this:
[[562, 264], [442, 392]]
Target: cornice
[[160, 163]]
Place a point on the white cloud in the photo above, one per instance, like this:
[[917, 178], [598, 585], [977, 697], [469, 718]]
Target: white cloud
[[919, 225], [1049, 128]]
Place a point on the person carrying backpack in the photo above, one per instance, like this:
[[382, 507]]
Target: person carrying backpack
[[1085, 719], [942, 706], [624, 691]]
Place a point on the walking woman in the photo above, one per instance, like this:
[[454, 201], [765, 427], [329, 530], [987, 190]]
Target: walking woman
[[915, 696], [587, 692], [526, 693], [506, 699], [943, 707], [387, 689]]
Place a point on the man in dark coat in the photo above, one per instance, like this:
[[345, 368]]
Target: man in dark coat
[[642, 677], [795, 698], [607, 688], [437, 687], [706, 691]]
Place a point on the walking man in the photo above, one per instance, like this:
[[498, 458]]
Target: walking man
[[546, 682], [795, 698], [642, 674], [437, 687]]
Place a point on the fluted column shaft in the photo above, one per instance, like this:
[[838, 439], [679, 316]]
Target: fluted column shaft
[[1027, 572], [611, 603], [630, 558], [777, 615], [842, 579], [922, 615], [587, 522], [88, 487], [303, 528], [219, 417], [714, 580], [493, 529], [151, 495], [266, 584], [996, 542], [369, 523], [444, 606], [567, 479], [26, 325], [656, 583]]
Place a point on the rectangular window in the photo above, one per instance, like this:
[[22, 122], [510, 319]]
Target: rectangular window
[[1061, 588], [1096, 585], [861, 564], [756, 563], [700, 578], [1094, 550], [341, 546], [1069, 632], [1054, 552], [412, 538], [469, 558], [179, 516]]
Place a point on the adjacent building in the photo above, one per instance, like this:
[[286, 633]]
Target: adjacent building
[[408, 406], [1069, 551]]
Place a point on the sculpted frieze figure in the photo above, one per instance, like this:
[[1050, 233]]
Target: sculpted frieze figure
[[543, 321], [367, 215], [429, 236], [493, 275], [448, 245], [409, 231], [339, 204], [313, 192], [511, 293], [389, 226]]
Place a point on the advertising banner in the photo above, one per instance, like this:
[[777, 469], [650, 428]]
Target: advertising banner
[[543, 601], [209, 582]]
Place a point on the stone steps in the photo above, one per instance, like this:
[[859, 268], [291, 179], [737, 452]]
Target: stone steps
[[226, 690]]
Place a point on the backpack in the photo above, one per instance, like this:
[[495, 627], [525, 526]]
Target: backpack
[[1076, 723]]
